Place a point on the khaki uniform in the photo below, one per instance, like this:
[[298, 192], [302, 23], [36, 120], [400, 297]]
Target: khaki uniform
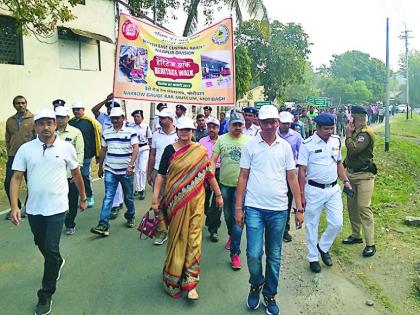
[[359, 162]]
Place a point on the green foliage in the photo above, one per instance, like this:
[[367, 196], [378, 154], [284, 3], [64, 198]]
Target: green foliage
[[278, 59], [300, 91], [345, 92], [39, 17], [414, 77], [243, 75], [163, 8]]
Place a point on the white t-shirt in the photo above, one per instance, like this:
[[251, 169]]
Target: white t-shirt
[[268, 165], [160, 140], [46, 169]]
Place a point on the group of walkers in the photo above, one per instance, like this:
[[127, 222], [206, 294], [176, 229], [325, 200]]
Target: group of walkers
[[254, 166]]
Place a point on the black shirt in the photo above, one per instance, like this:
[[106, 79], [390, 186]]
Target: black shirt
[[164, 161], [88, 132]]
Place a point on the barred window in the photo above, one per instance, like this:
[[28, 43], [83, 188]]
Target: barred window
[[11, 46]]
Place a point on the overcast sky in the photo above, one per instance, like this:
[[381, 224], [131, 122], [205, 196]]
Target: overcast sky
[[335, 26]]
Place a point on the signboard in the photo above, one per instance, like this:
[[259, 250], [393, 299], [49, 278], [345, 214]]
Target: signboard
[[259, 104], [318, 101], [155, 65]]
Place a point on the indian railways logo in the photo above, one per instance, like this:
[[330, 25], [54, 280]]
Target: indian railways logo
[[221, 35], [130, 30]]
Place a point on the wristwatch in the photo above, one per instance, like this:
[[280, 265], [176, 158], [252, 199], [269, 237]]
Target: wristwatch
[[301, 210], [132, 166]]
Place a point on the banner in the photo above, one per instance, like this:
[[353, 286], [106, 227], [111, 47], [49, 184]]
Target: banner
[[155, 65]]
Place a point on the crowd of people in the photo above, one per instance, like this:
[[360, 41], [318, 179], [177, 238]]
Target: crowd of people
[[256, 166]]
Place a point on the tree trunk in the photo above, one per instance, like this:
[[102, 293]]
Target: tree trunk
[[191, 14]]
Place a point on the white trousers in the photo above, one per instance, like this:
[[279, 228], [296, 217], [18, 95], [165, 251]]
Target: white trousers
[[140, 170], [316, 200], [118, 198]]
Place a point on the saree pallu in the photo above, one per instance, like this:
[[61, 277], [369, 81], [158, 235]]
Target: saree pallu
[[183, 205]]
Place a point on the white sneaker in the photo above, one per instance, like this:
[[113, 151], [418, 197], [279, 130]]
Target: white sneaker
[[161, 238]]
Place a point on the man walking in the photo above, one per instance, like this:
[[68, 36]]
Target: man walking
[[360, 142], [74, 137], [201, 130], [228, 147], [119, 150], [91, 139], [250, 128], [20, 129], [211, 210], [319, 166], [267, 169], [180, 111], [46, 160]]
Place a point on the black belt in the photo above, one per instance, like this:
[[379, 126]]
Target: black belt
[[143, 144], [356, 170], [323, 186]]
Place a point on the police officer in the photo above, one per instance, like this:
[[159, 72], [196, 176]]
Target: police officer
[[361, 170], [320, 162], [180, 111], [58, 103], [250, 128]]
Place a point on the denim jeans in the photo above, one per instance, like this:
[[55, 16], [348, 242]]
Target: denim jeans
[[47, 232], [234, 230], [85, 170], [111, 183], [271, 224]]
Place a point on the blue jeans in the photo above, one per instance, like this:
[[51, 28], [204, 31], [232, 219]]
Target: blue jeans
[[111, 183], [271, 224], [85, 170], [234, 230]]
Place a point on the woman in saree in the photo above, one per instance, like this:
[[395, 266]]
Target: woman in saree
[[187, 170]]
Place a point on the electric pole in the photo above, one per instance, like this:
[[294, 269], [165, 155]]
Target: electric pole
[[387, 133], [405, 36]]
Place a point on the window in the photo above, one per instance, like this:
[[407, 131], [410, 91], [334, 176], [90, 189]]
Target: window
[[11, 46], [78, 51]]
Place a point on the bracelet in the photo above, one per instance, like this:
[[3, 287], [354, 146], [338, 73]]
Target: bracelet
[[301, 210], [346, 181]]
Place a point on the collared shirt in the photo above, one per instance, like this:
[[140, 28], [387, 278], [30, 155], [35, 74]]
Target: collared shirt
[[74, 137], [160, 140], [200, 133], [176, 118], [294, 139], [119, 145], [143, 134], [206, 119], [321, 158], [104, 120], [268, 165], [46, 167], [251, 131], [209, 145]]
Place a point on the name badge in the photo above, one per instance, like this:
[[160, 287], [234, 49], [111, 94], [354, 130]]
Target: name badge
[[318, 151]]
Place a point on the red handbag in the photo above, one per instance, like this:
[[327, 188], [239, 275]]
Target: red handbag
[[148, 224]]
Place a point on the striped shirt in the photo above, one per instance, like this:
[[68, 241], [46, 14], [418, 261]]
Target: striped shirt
[[119, 145]]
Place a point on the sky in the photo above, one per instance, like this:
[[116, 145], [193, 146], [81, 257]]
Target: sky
[[336, 26]]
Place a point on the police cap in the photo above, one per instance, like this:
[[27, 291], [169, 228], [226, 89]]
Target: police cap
[[137, 111], [358, 110], [181, 107], [161, 106], [207, 107], [325, 119], [251, 110], [58, 102], [111, 104]]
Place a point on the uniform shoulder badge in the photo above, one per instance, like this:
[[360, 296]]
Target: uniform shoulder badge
[[361, 138], [307, 140]]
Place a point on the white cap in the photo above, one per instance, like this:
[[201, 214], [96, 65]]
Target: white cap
[[268, 112], [77, 104], [44, 113], [116, 112], [166, 113], [62, 111], [286, 117], [213, 120], [185, 123]]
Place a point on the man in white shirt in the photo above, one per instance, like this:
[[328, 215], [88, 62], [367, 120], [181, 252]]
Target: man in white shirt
[[267, 166], [180, 111], [161, 138], [156, 125], [250, 128], [46, 160]]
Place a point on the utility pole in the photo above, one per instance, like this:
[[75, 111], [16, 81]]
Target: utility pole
[[406, 35], [387, 133]]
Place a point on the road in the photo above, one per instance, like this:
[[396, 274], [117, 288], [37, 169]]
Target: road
[[120, 274]]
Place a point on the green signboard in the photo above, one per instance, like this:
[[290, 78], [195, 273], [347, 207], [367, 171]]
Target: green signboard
[[318, 101], [259, 104]]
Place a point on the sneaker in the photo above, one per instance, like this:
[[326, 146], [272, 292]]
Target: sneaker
[[59, 270], [142, 195], [100, 229], [228, 243], [236, 262], [253, 300], [214, 237], [114, 213], [287, 237], [130, 223], [90, 201], [70, 231], [161, 238], [271, 307], [43, 308]]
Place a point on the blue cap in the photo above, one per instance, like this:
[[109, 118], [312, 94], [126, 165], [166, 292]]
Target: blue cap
[[295, 112], [251, 110], [325, 119]]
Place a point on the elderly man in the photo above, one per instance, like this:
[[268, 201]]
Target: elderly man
[[92, 140], [20, 129], [120, 147], [319, 168], [46, 160], [267, 170], [250, 128], [75, 138]]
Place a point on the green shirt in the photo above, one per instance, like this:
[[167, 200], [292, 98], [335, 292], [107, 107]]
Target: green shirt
[[229, 150], [311, 116]]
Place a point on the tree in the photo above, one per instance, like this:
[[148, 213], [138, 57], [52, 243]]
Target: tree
[[39, 17], [243, 76], [413, 76], [163, 8], [298, 92], [346, 92]]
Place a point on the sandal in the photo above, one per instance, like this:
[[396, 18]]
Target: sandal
[[192, 295]]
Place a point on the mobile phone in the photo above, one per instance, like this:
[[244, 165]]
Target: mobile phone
[[349, 192]]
